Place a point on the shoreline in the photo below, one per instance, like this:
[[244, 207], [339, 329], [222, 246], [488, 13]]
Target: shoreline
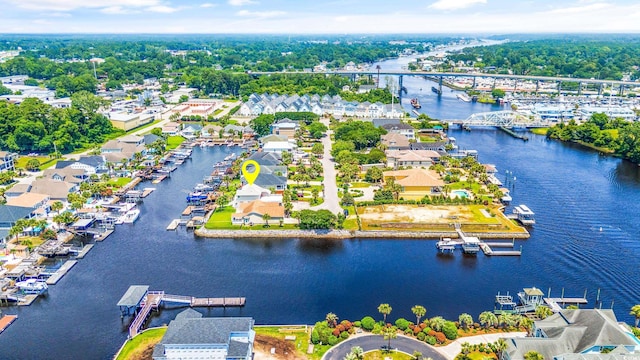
[[349, 234]]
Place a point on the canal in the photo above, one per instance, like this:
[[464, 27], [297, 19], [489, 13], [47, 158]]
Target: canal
[[586, 237]]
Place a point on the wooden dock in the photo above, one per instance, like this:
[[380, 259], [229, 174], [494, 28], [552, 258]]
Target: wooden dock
[[173, 225], [103, 235], [147, 191], [84, 251], [487, 250], [53, 279], [554, 303], [6, 321], [217, 302]]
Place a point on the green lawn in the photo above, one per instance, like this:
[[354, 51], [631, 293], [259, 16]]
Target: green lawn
[[134, 348], [475, 187], [357, 185], [45, 162], [119, 182], [379, 355], [539, 131], [350, 224], [174, 141], [221, 219]]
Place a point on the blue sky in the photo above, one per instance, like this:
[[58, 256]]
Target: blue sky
[[317, 16]]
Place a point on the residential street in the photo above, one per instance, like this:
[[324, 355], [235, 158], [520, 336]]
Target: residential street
[[330, 194], [374, 342]]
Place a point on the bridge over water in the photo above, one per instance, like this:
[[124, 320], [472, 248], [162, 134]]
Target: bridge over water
[[506, 119]]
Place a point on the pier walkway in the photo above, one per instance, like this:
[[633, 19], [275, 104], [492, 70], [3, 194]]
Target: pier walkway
[[139, 300]]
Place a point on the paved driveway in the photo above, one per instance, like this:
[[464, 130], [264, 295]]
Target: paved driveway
[[331, 200], [374, 342]]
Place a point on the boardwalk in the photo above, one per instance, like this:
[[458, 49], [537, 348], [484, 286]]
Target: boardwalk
[[6, 321]]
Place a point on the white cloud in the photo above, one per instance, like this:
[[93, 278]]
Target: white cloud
[[208, 5], [116, 10], [455, 4], [580, 9], [68, 5], [241, 2], [260, 14], [162, 9]]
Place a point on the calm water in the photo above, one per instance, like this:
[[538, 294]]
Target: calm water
[[586, 237], [573, 192]]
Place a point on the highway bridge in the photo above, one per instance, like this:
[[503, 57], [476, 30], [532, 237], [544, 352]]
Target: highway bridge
[[440, 75]]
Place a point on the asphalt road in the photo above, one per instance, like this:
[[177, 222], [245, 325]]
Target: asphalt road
[[330, 194], [374, 342]]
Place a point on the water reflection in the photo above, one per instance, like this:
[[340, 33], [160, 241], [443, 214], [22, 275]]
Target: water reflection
[[320, 246]]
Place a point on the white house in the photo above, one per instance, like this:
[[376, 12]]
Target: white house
[[278, 146]]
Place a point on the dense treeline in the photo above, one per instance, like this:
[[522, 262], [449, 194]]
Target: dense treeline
[[36, 126], [616, 135], [579, 57]]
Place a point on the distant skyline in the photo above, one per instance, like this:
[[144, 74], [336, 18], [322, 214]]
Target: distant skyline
[[320, 16]]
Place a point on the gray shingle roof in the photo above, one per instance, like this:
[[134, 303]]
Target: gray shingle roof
[[191, 330], [133, 296]]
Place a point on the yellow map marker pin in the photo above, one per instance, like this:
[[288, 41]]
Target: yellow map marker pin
[[250, 176]]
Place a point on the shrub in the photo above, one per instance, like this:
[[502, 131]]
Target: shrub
[[315, 338], [417, 330], [423, 325], [440, 337], [344, 335], [431, 333], [450, 330], [426, 330], [421, 336], [357, 323], [368, 323], [341, 328], [431, 340], [333, 340], [408, 332], [347, 324], [402, 324], [336, 332], [377, 328]]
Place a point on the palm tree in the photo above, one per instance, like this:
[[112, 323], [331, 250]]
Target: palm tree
[[57, 206], [18, 228], [417, 355], [350, 356], [543, 312], [266, 218], [419, 311], [332, 319], [465, 320], [635, 311], [527, 324], [436, 323], [500, 346], [357, 352], [389, 332], [487, 319], [384, 309], [533, 355]]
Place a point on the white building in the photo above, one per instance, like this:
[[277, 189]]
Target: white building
[[611, 111]]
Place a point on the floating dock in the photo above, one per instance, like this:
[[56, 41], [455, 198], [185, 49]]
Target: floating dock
[[147, 191], [103, 235], [84, 251], [7, 320], [173, 225], [53, 279], [513, 133]]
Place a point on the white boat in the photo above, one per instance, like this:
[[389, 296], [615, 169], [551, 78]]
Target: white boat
[[131, 216], [32, 286], [464, 97]]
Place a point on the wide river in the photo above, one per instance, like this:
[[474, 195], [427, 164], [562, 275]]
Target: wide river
[[586, 237]]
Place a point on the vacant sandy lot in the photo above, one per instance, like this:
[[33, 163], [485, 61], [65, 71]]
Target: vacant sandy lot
[[410, 213], [285, 350]]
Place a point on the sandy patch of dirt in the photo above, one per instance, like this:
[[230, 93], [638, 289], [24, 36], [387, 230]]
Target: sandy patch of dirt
[[285, 349], [406, 213]]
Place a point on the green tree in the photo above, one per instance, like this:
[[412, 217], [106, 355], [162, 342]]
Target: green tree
[[419, 311], [317, 149], [183, 98], [488, 319], [57, 206], [635, 312], [389, 333], [33, 165], [316, 129], [533, 355], [265, 218], [384, 309], [373, 174], [500, 346], [465, 320], [543, 312], [497, 93], [332, 319]]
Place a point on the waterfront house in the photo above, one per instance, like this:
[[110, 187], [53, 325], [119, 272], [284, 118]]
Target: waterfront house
[[439, 146], [7, 161], [190, 131], [171, 129], [192, 336], [68, 174], [395, 141], [38, 203], [416, 183], [252, 212], [401, 128], [382, 122], [9, 215], [249, 193], [16, 190], [210, 131], [55, 189], [267, 180], [415, 158], [123, 149], [570, 332]]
